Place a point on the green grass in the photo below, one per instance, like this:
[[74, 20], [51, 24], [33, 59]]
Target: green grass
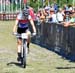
[[39, 60]]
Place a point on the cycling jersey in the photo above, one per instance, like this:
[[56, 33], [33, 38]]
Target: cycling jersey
[[23, 22]]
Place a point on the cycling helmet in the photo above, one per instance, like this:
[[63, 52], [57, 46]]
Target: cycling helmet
[[25, 12]]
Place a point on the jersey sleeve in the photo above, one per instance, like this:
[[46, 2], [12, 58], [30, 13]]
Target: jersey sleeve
[[19, 16]]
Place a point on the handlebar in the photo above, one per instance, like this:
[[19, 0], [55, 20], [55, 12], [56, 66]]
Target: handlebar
[[24, 35]]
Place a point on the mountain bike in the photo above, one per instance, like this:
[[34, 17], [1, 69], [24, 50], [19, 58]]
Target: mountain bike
[[24, 49]]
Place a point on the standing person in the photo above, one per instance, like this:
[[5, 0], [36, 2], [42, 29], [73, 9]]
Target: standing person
[[42, 15], [55, 7], [71, 22], [21, 26], [60, 15], [31, 12], [52, 16]]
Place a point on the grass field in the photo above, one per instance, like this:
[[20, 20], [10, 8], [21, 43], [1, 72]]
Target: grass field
[[39, 60]]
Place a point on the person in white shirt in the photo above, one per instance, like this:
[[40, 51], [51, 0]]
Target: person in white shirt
[[52, 16], [60, 15]]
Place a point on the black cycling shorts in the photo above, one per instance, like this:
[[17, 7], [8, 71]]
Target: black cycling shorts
[[22, 30]]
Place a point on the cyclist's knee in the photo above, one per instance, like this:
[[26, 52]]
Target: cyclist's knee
[[29, 33], [19, 42]]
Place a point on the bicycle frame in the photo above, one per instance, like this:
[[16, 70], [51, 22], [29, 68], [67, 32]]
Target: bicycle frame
[[24, 49]]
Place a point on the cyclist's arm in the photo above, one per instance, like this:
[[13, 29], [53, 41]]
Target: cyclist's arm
[[15, 26], [16, 22], [32, 24]]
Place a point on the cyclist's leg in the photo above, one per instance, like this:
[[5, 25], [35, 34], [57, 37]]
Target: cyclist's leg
[[19, 45], [29, 38]]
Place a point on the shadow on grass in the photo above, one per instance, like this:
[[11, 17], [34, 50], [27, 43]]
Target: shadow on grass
[[65, 67], [15, 63]]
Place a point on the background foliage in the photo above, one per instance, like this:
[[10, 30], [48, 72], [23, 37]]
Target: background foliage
[[39, 3]]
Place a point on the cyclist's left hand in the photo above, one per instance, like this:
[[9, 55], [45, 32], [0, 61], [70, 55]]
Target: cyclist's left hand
[[34, 33]]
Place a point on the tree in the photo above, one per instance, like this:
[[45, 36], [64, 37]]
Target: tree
[[35, 4]]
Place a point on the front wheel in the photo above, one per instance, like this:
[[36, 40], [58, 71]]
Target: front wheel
[[24, 55]]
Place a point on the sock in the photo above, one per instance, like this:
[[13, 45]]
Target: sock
[[19, 55], [28, 45]]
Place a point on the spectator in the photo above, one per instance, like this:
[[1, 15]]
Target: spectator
[[60, 15], [47, 12], [65, 7], [52, 16], [55, 7], [42, 15], [31, 11], [70, 8], [71, 22]]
